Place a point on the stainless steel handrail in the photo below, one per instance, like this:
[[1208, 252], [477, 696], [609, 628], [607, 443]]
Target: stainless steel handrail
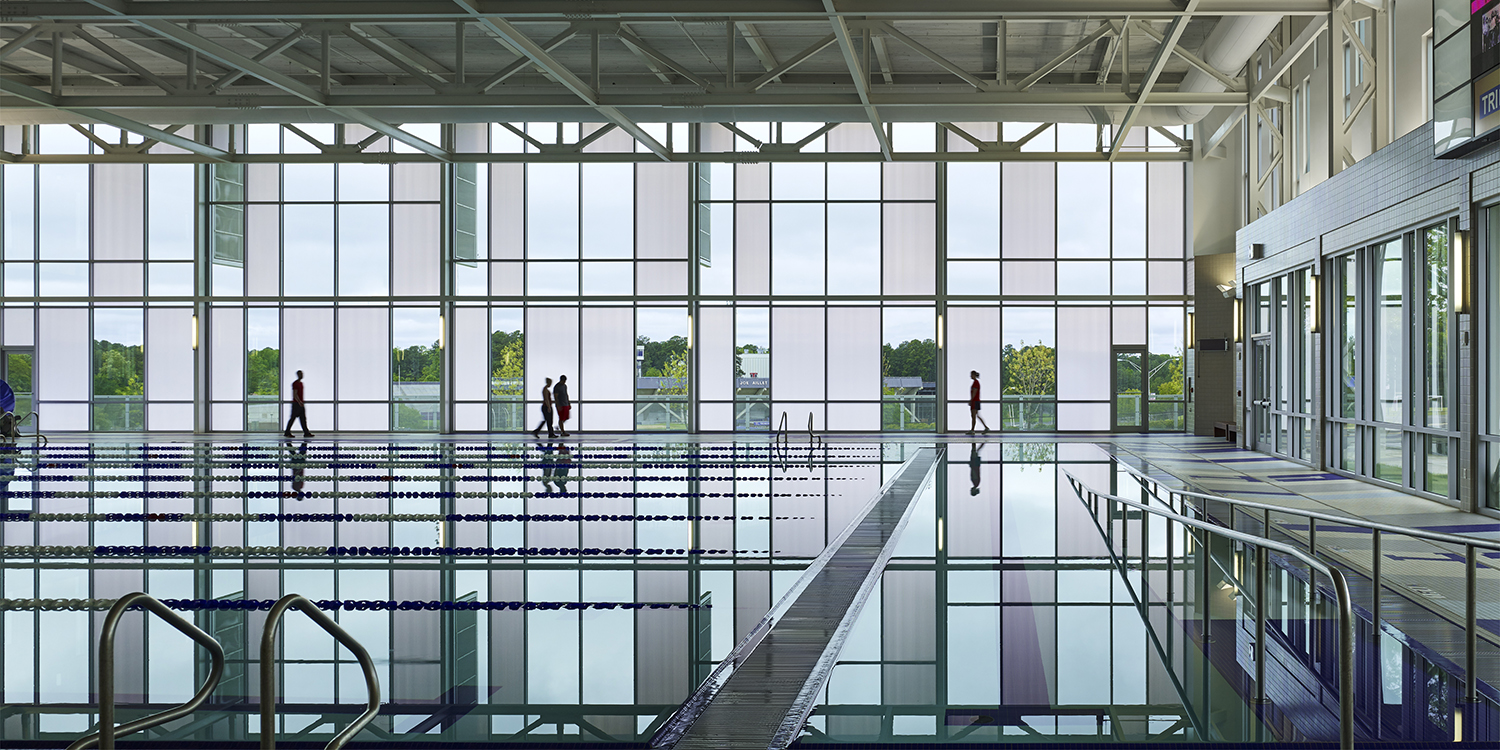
[[108, 732], [1471, 546], [1340, 588], [813, 441], [268, 670], [781, 439]]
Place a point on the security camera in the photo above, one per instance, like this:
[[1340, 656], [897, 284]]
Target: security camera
[[1227, 290]]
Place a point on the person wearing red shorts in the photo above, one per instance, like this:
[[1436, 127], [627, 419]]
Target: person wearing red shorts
[[974, 404], [564, 404]]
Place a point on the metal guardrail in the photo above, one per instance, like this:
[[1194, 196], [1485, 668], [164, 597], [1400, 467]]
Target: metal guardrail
[[268, 670], [1471, 546], [1262, 546], [107, 734]]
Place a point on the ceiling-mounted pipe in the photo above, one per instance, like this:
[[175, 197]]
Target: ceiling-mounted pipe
[[1228, 48]]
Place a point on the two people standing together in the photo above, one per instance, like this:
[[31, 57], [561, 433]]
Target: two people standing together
[[558, 396]]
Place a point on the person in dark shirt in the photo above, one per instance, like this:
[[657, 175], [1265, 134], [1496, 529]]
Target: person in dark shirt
[[546, 412], [564, 405], [299, 408]]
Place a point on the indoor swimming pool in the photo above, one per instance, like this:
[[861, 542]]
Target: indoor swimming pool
[[513, 591]]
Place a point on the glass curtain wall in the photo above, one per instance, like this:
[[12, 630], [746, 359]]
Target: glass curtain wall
[[1391, 358], [120, 235], [415, 298]]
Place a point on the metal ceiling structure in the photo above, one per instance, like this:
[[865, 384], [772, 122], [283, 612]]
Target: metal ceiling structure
[[152, 67]]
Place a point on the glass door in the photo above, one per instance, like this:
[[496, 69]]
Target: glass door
[[16, 369], [1262, 380], [1129, 389]]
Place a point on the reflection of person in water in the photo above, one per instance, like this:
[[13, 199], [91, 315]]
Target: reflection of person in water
[[562, 463], [974, 466], [299, 470]]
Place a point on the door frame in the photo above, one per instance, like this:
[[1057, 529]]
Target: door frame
[[1114, 389]]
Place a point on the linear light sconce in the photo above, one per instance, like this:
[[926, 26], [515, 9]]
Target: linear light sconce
[[195, 333], [1239, 310], [1314, 312], [940, 331], [690, 331], [1459, 260], [442, 332]]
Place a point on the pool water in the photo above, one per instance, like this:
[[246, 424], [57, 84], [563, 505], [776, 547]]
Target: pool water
[[579, 592]]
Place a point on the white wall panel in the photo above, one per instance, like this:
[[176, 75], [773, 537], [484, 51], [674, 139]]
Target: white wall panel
[[608, 356], [364, 354], [1083, 343], [797, 349], [169, 354], [62, 356], [853, 354]]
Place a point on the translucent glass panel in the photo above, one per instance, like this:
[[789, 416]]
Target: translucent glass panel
[[1083, 355], [169, 354], [608, 346], [170, 205], [798, 341], [910, 231], [307, 336], [854, 372], [62, 212], [608, 211], [715, 351], [416, 232], [119, 211], [363, 343], [552, 341], [63, 372], [19, 211], [226, 354]]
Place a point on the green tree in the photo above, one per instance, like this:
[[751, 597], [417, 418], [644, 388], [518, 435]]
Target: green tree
[[658, 353], [676, 369], [118, 369], [1031, 370], [915, 358], [508, 363], [263, 372]]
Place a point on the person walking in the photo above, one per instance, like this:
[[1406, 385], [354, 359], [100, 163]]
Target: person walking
[[974, 404], [564, 406], [299, 409], [546, 412]]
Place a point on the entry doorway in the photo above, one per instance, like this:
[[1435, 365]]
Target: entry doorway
[[18, 368], [1262, 376], [1129, 389]]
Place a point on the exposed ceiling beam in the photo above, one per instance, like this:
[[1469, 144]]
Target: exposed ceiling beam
[[567, 155], [525, 46], [109, 118], [792, 62], [646, 49], [1067, 55], [691, 97], [1153, 72], [861, 79], [397, 11], [942, 62], [205, 46]]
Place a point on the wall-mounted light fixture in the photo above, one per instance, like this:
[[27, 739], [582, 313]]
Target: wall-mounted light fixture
[[1314, 313], [195, 333], [1239, 310], [1226, 289], [690, 332], [940, 331], [442, 332], [1460, 298], [1192, 332]]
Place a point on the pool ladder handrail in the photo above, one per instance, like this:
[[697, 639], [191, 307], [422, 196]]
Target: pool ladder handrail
[[268, 670], [1262, 546], [783, 436], [1471, 546], [107, 733]]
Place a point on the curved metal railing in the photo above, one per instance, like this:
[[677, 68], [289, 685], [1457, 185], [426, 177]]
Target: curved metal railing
[[268, 670], [107, 733], [1471, 546], [1262, 546]]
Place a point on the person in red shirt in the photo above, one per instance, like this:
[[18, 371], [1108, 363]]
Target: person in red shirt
[[299, 408], [974, 404]]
